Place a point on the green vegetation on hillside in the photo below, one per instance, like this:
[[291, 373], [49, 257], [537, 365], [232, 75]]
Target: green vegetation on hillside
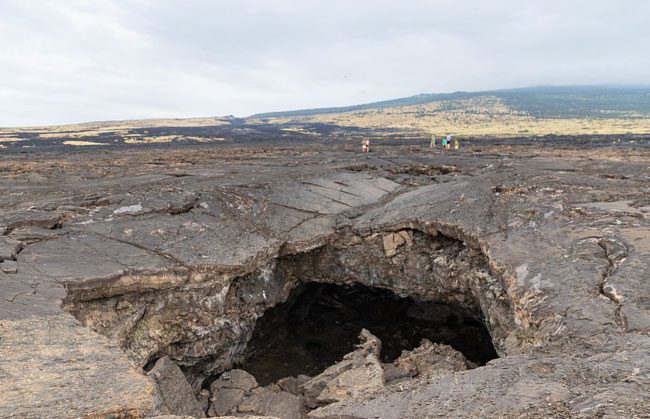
[[538, 102]]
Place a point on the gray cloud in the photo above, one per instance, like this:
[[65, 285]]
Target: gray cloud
[[79, 60]]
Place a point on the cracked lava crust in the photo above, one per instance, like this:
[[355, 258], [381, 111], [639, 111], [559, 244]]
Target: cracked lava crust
[[505, 282]]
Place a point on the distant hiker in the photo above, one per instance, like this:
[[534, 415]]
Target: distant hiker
[[444, 142], [456, 144], [433, 141], [365, 146], [448, 142]]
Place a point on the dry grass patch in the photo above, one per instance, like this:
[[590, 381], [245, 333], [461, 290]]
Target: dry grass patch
[[170, 138], [122, 128], [478, 116], [81, 143]]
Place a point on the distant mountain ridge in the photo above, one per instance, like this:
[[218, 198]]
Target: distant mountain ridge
[[538, 102]]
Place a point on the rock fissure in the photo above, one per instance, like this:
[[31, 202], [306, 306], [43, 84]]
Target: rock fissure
[[615, 253], [154, 251]]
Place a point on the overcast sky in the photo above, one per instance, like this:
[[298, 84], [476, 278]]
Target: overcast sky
[[84, 60]]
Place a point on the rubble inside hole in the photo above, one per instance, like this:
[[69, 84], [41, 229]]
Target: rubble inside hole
[[319, 324], [359, 374]]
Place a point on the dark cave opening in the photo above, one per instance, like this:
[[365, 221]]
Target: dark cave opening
[[320, 323]]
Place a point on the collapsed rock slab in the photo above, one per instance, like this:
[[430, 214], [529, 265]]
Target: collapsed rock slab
[[229, 390], [9, 248], [172, 417], [225, 401], [247, 417], [358, 374], [355, 383], [270, 403], [30, 234], [292, 384], [217, 417], [237, 392], [31, 218], [431, 359], [341, 417], [237, 379], [173, 394]]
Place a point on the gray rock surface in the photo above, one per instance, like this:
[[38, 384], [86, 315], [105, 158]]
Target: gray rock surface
[[552, 246], [216, 417], [292, 384], [266, 402], [358, 375], [204, 399], [9, 266], [236, 392], [29, 235], [9, 248], [172, 393], [229, 391], [430, 359]]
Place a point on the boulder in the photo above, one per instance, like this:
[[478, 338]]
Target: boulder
[[246, 417], [239, 379], [173, 394], [427, 360], [292, 384], [204, 399], [225, 401], [355, 383], [229, 390], [394, 374], [358, 374], [267, 402], [237, 392], [223, 417]]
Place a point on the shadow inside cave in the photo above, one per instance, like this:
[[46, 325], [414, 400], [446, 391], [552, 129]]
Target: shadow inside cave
[[320, 323]]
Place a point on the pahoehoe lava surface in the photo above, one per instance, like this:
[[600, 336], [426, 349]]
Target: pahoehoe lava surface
[[529, 261]]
